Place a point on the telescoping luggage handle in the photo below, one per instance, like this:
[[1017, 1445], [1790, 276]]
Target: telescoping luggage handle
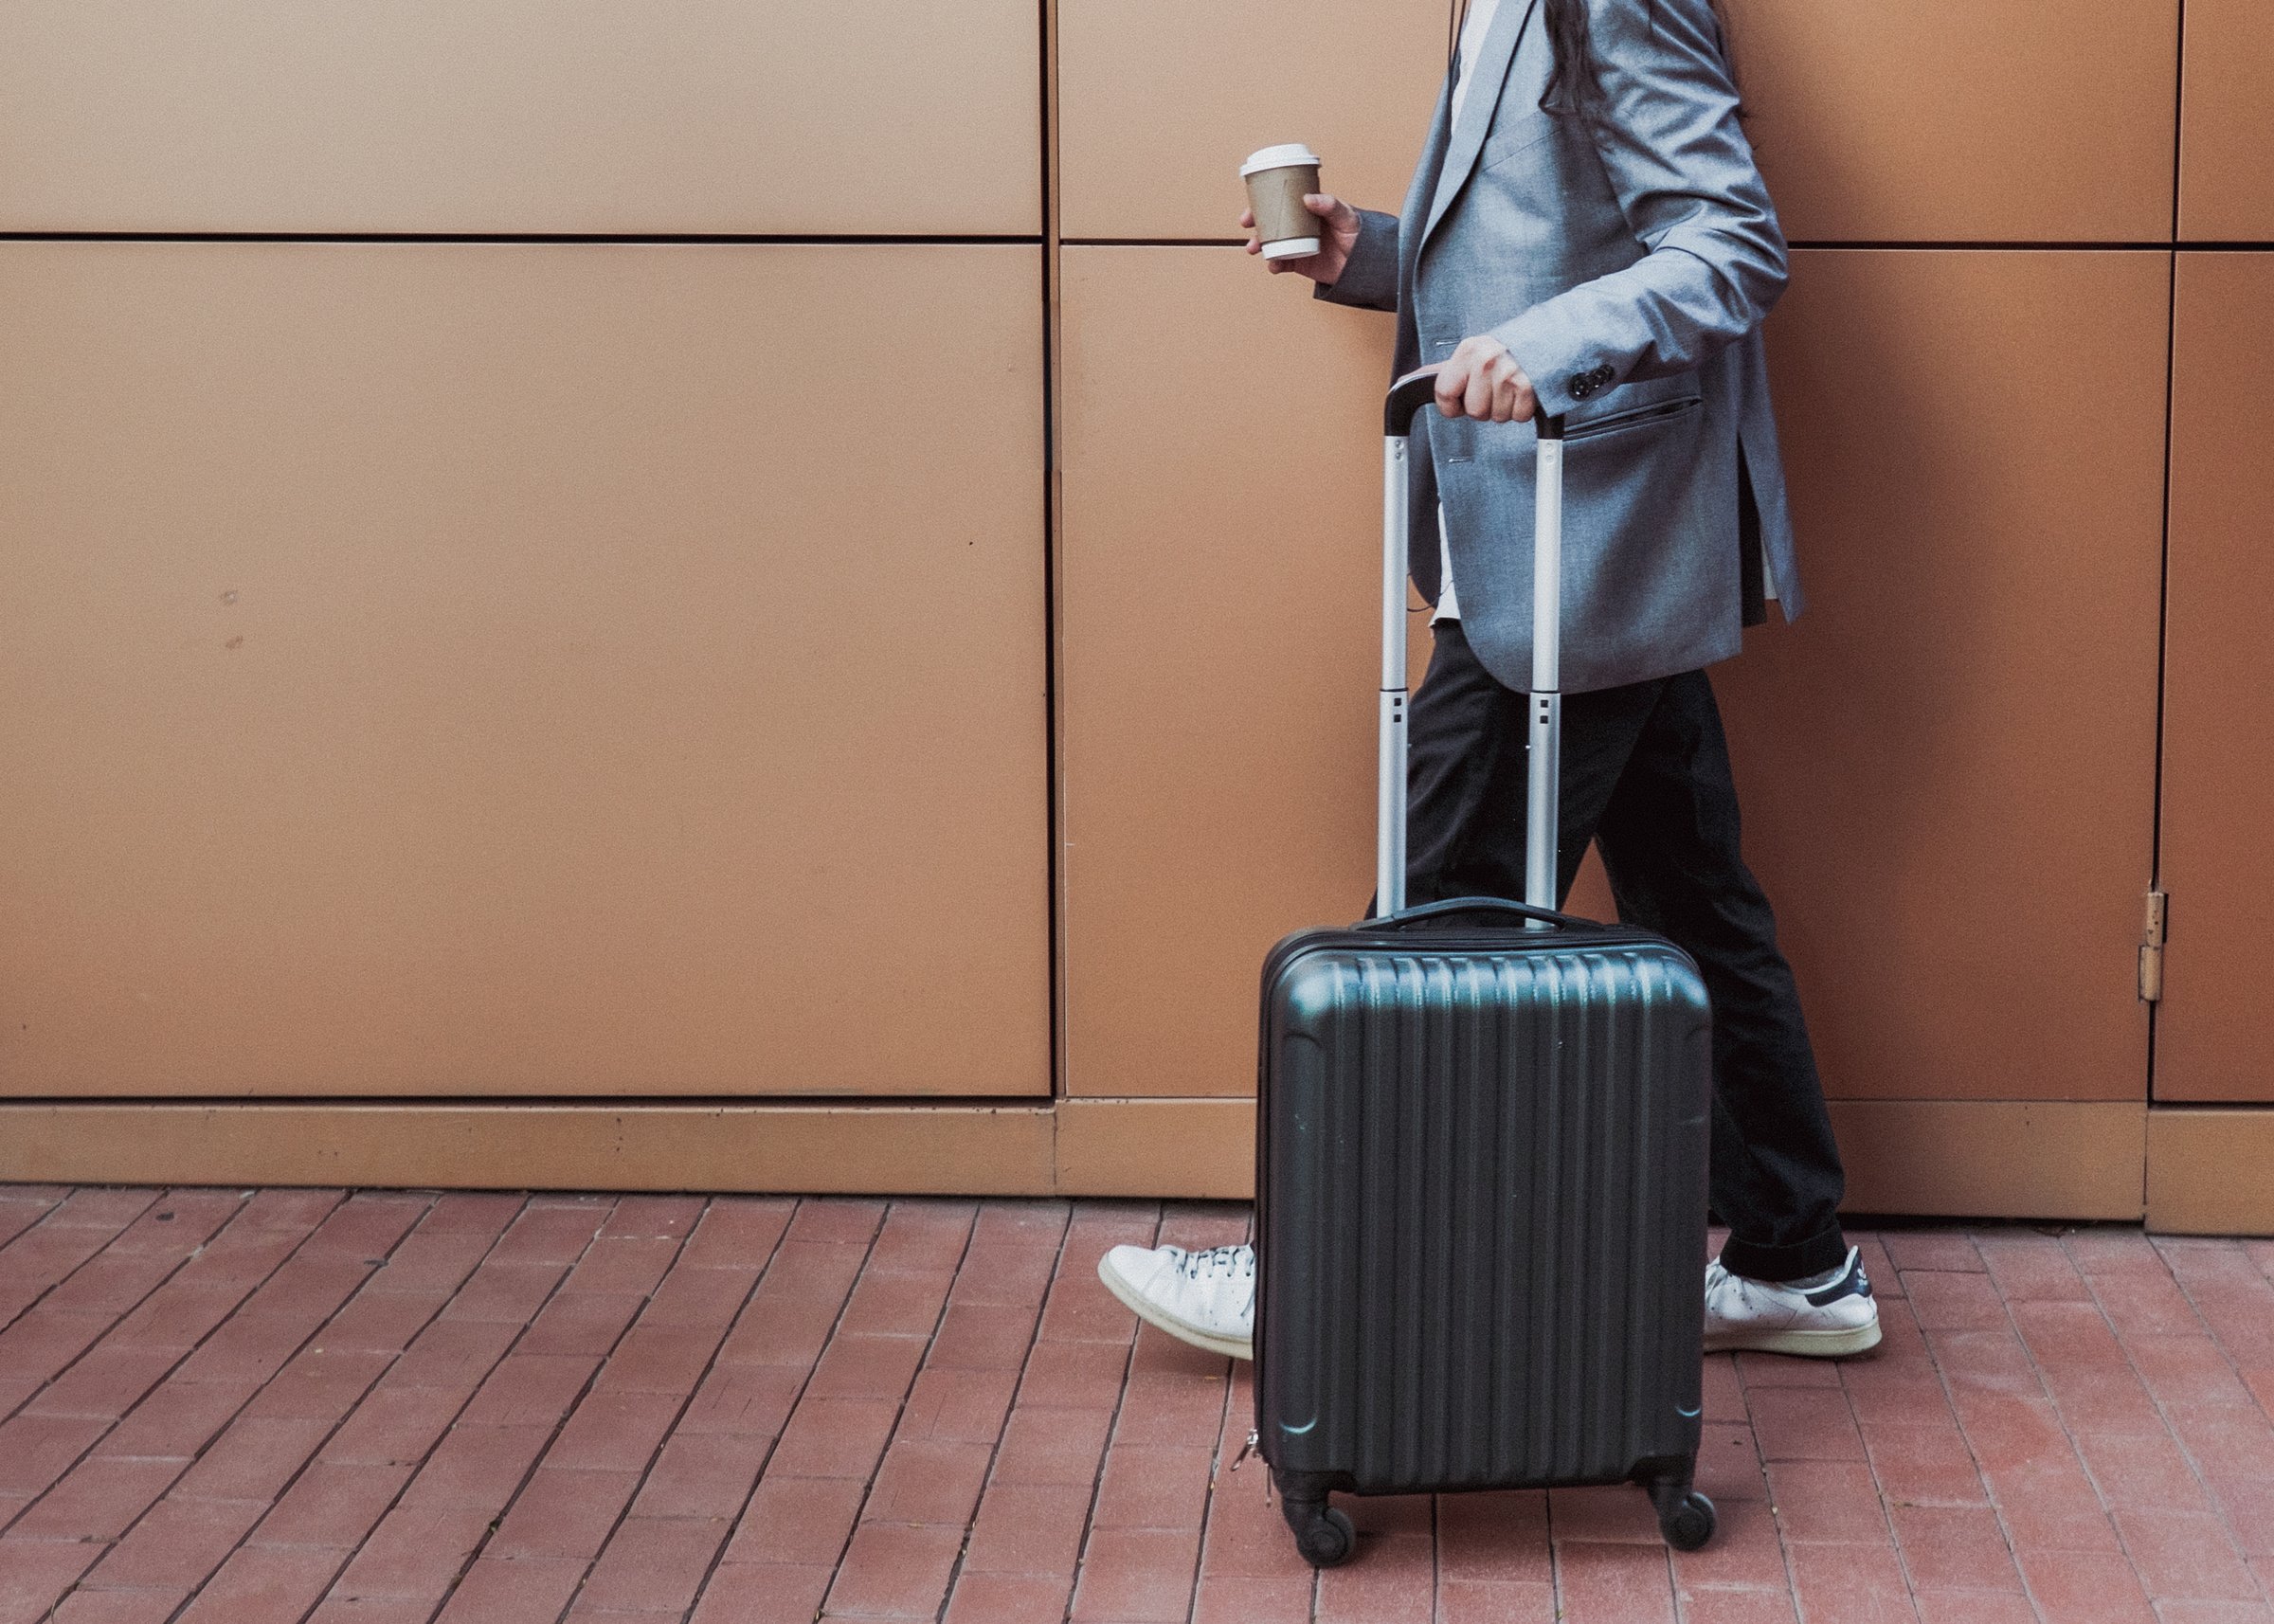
[[1408, 395]]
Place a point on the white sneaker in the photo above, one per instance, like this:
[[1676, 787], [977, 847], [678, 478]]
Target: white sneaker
[[1835, 1318], [1205, 1298]]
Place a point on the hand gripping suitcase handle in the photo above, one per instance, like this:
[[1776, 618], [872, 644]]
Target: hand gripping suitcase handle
[[1415, 391], [1407, 397]]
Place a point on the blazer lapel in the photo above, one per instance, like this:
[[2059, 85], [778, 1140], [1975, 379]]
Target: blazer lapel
[[1412, 212], [1489, 73]]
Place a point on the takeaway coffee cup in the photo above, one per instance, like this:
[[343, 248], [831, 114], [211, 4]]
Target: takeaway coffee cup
[[1277, 177]]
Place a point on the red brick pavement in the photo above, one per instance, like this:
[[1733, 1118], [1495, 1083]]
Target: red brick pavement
[[281, 1406]]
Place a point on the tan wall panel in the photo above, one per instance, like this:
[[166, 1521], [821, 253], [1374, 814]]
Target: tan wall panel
[[1219, 568], [816, 1149], [520, 116], [1920, 743], [1159, 102], [1948, 764], [1943, 1158], [2210, 1172], [1955, 1158], [2218, 777], [515, 669], [1590, 895], [2226, 136], [1927, 120], [1201, 1149], [1993, 1158], [1919, 120]]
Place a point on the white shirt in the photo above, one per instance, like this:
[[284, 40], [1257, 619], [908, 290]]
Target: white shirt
[[1473, 28]]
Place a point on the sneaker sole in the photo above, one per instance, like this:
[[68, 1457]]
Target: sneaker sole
[[1232, 1348], [1805, 1344]]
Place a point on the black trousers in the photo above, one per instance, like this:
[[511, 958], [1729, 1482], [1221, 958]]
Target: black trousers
[[1646, 776]]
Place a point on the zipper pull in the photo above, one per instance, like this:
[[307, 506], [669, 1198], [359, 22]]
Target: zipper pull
[[1245, 1450]]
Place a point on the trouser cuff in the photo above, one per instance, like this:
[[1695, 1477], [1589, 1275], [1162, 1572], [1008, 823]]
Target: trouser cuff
[[1825, 1250]]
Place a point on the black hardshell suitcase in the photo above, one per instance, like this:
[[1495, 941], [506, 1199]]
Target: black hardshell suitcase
[[1480, 1161]]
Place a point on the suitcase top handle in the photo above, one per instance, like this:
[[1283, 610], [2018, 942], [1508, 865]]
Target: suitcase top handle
[[1415, 391], [1405, 917]]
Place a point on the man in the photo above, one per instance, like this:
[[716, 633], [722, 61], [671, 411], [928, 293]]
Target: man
[[1586, 234]]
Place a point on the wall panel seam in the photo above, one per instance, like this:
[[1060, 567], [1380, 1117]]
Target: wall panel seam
[[2150, 245], [1053, 813], [753, 239], [596, 1105], [2163, 617], [2242, 246], [856, 1103], [2179, 106]]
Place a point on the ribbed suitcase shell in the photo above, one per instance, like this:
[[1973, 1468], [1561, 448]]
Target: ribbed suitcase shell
[[1481, 1208]]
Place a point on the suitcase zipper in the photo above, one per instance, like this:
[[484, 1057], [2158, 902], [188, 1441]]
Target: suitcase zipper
[[1246, 1449]]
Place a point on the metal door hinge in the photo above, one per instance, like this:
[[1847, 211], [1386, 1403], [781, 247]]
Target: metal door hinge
[[2151, 947]]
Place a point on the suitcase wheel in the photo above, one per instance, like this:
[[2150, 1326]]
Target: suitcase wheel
[[1324, 1536], [1686, 1522]]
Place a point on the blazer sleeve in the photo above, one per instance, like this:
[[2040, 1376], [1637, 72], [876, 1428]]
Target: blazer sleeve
[[1369, 279], [1664, 125]]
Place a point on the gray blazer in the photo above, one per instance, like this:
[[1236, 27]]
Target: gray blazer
[[1626, 265]]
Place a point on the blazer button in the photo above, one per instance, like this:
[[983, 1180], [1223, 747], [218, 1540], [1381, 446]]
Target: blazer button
[[1582, 386]]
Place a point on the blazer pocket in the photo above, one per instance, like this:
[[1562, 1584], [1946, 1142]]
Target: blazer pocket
[[1621, 422], [1527, 132]]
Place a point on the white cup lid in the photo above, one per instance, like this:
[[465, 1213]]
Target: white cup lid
[[1285, 156]]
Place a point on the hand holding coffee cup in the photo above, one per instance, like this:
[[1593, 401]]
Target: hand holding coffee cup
[[1297, 226], [1278, 179]]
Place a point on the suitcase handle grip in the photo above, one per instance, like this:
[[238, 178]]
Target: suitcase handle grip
[[1417, 389], [1405, 917]]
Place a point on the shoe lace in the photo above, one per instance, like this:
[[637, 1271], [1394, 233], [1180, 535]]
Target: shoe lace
[[1220, 1262]]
